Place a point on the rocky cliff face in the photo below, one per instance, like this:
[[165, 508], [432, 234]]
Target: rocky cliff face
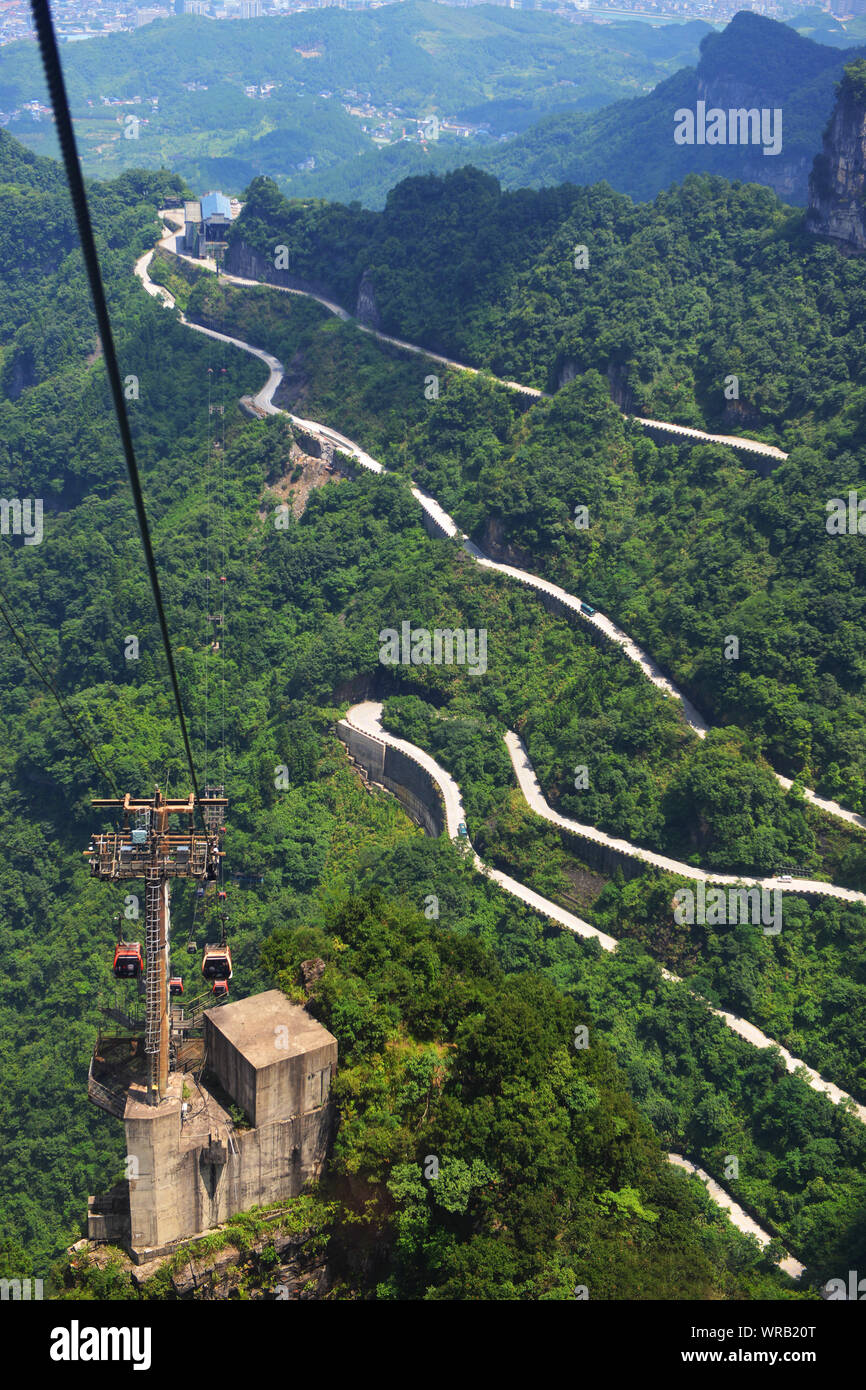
[[756, 64], [276, 1266], [242, 260], [786, 173], [366, 309], [495, 542], [837, 186]]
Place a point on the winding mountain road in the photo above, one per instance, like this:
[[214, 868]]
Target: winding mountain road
[[263, 402], [732, 441], [528, 783], [740, 1218], [366, 716]]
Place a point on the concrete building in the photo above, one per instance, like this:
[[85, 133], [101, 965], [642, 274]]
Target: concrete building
[[205, 224], [271, 1056], [190, 1166]]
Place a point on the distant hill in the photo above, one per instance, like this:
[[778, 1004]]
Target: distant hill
[[489, 66], [754, 62], [826, 28]]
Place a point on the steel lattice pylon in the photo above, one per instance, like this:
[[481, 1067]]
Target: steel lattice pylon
[[152, 852]]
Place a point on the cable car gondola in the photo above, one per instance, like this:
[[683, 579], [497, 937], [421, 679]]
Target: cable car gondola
[[217, 963], [175, 986], [128, 960], [220, 989]]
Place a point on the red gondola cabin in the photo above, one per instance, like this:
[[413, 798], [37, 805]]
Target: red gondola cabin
[[220, 989], [175, 986], [217, 963], [128, 960]]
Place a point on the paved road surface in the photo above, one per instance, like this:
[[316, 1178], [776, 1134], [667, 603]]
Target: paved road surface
[[740, 1219], [733, 441], [264, 401], [528, 783], [367, 716]]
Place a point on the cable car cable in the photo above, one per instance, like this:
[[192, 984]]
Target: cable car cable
[[207, 529], [66, 136], [224, 563]]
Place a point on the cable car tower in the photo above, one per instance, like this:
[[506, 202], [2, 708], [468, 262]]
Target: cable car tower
[[153, 851]]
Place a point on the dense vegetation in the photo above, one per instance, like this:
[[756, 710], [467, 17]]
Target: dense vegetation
[[480, 1154], [685, 546], [753, 62], [714, 802], [455, 1034], [805, 986], [564, 101], [448, 1059], [485, 65], [648, 777]]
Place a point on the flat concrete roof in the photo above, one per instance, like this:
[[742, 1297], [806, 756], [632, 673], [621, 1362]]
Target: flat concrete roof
[[250, 1026]]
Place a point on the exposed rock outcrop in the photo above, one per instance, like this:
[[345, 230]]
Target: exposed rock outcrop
[[620, 392], [278, 1265], [838, 181], [366, 309], [19, 374], [496, 543], [242, 260], [739, 415], [311, 971], [755, 63]]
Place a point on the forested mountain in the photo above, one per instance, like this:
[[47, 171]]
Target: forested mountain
[[344, 875], [754, 62], [456, 1034], [711, 281], [577, 102], [824, 27], [490, 66]]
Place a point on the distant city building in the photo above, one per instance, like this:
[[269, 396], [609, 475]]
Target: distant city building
[[143, 16]]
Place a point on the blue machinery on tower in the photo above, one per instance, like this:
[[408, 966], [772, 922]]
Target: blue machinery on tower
[[154, 851]]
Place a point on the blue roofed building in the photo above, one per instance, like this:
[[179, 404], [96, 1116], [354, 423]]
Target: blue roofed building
[[206, 222]]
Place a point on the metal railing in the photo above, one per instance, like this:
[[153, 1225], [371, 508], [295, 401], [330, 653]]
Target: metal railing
[[173, 856], [107, 1098]]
